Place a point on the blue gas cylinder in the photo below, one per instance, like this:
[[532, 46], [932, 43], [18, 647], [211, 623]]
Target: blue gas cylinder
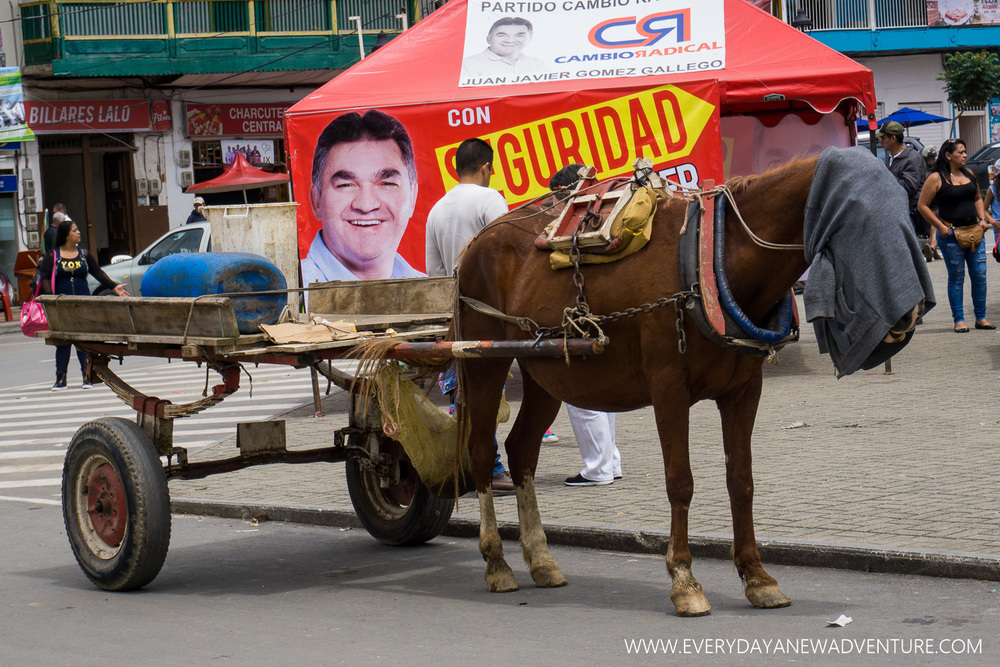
[[203, 273]]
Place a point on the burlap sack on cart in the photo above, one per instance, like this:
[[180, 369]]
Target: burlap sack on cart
[[428, 433]]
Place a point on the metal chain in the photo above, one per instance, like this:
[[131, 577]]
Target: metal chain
[[677, 301], [578, 279]]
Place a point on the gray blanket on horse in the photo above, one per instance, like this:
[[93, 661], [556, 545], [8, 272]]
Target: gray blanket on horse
[[853, 298]]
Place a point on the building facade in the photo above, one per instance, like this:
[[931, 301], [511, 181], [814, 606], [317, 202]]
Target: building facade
[[131, 102], [904, 43]]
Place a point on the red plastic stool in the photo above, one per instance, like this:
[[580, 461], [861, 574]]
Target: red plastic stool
[[6, 307]]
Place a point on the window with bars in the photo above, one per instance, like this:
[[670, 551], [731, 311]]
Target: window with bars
[[292, 15], [211, 16], [860, 14]]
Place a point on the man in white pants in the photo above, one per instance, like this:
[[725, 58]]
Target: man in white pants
[[595, 436], [594, 431]]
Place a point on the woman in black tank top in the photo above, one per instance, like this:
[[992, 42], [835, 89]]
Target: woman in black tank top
[[953, 189]]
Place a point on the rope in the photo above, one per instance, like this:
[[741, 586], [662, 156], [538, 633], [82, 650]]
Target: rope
[[724, 189]]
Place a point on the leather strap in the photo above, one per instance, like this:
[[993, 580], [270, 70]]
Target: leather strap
[[524, 323]]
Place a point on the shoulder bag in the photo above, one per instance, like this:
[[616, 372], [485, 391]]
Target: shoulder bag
[[968, 237], [33, 317]]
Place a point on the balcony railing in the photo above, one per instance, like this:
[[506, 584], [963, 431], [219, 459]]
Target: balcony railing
[[861, 14], [54, 29]]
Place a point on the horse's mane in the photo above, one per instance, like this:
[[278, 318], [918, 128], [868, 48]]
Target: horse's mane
[[740, 184]]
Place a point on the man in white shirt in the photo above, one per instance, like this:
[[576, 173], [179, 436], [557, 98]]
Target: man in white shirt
[[452, 222], [506, 39], [464, 210]]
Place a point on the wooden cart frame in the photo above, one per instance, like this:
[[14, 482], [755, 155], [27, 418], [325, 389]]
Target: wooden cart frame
[[116, 503]]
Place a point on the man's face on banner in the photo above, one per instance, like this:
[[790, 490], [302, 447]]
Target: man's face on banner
[[508, 40], [364, 201]]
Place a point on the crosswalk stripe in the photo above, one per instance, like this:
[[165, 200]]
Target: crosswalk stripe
[[20, 470], [29, 421], [24, 483], [27, 410], [218, 412], [190, 375], [32, 454], [165, 388], [72, 430], [33, 501], [107, 398]]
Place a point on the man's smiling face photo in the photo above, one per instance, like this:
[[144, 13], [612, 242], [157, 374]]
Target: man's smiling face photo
[[508, 40], [364, 195]]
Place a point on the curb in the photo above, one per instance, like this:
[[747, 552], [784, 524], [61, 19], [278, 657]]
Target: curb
[[864, 558]]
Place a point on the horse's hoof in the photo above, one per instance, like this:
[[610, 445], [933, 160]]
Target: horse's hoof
[[767, 597], [502, 581], [690, 602], [548, 576]]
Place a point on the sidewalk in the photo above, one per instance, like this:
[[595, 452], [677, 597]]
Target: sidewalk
[[887, 472]]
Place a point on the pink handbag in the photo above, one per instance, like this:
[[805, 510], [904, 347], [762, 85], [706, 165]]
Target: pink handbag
[[32, 314]]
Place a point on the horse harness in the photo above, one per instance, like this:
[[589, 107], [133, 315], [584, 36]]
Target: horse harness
[[585, 222]]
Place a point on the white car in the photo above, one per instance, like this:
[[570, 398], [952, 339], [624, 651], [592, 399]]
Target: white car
[[195, 237]]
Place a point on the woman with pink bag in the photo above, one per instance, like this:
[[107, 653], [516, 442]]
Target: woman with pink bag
[[69, 265]]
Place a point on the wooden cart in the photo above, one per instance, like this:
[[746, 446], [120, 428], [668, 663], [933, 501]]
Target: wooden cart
[[116, 503]]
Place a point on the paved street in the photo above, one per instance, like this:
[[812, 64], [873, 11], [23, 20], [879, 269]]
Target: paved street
[[277, 594]]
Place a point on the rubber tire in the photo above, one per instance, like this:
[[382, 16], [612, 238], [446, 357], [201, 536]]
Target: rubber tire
[[143, 548], [422, 519]]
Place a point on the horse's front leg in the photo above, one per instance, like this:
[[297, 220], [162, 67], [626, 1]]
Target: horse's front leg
[[671, 405], [538, 409], [738, 414], [482, 384]]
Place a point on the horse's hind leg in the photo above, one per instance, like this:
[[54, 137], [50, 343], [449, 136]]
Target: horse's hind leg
[[738, 414], [672, 425], [482, 383], [538, 409]]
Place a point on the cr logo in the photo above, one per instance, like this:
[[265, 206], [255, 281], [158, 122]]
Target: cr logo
[[618, 33]]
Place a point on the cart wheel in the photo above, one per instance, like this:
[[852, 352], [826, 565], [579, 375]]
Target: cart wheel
[[403, 513], [115, 504]]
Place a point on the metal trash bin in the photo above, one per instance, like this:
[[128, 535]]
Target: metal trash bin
[[269, 230]]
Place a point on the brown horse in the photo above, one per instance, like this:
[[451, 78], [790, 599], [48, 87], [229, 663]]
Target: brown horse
[[642, 366]]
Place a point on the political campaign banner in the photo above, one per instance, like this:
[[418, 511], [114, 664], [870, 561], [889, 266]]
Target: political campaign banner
[[363, 194], [13, 125], [535, 41]]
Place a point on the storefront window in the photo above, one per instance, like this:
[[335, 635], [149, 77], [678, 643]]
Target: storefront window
[[210, 161]]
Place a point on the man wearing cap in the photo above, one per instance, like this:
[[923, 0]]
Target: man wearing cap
[[908, 167], [196, 214]]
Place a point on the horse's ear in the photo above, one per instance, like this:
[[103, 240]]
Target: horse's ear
[[314, 200], [413, 199]]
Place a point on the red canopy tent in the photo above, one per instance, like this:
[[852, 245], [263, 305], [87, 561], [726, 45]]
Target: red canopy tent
[[538, 127], [765, 58], [240, 175]]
